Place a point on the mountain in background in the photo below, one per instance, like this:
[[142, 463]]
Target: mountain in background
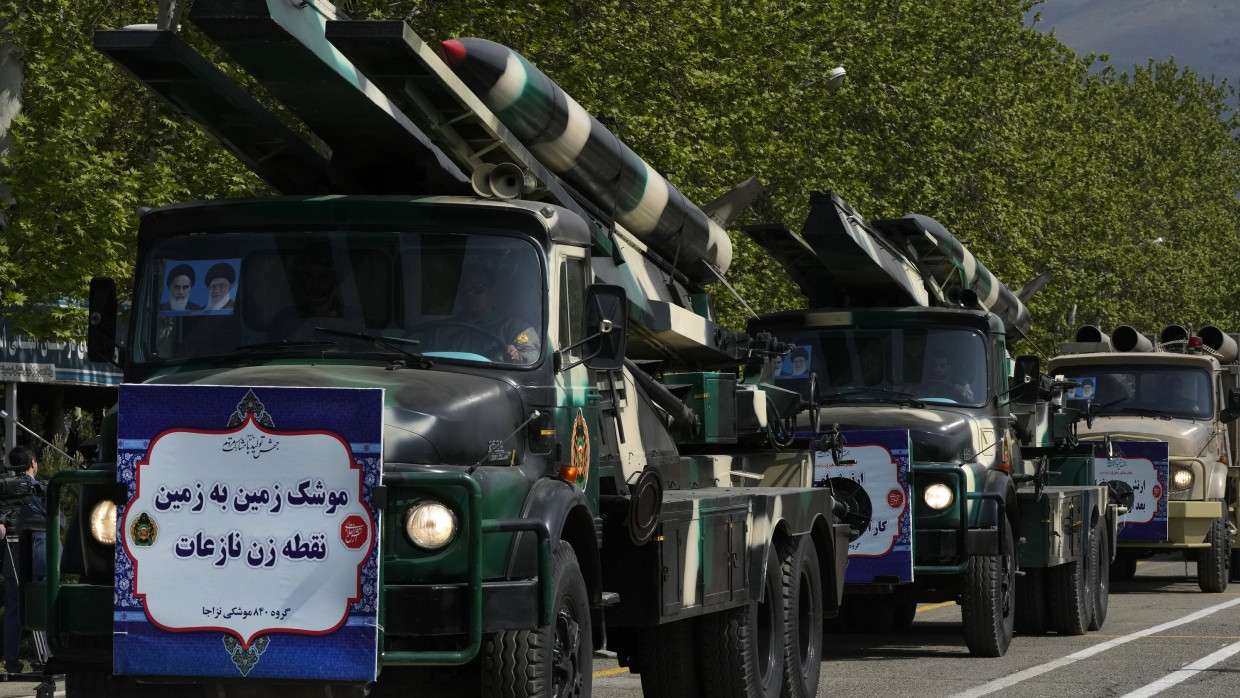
[[1201, 34]]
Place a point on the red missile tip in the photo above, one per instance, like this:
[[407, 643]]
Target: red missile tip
[[453, 51]]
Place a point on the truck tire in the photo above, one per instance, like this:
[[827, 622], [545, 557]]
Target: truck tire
[[741, 650], [904, 615], [89, 684], [988, 602], [551, 661], [1235, 564], [866, 615], [1067, 597], [667, 656], [1124, 568], [802, 608], [1099, 582], [1031, 602], [1212, 562]]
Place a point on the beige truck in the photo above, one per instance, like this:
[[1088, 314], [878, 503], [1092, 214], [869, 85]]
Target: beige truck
[[1179, 388]]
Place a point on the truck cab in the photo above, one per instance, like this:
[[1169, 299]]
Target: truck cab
[[1174, 388]]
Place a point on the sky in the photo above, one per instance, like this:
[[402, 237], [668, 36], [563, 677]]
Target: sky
[[1200, 34]]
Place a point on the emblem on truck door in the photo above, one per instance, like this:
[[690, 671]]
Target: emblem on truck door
[[580, 456]]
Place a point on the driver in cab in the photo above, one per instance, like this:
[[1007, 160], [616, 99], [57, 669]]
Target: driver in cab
[[943, 376], [493, 334]]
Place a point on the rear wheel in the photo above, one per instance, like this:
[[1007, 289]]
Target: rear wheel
[[1067, 598], [742, 649], [987, 604], [802, 599], [1099, 582], [668, 660], [905, 612], [1213, 562], [1124, 568], [1031, 616], [552, 661]]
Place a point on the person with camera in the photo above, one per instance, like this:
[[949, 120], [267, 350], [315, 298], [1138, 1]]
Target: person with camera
[[21, 506]]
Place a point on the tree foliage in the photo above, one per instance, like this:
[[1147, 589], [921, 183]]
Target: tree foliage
[[1121, 184]]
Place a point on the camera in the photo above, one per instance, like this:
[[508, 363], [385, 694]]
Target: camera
[[16, 489]]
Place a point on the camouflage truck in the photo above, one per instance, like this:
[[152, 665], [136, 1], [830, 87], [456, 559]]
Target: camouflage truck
[[956, 463], [320, 474], [1179, 388]]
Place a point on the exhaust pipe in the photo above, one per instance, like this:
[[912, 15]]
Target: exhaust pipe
[[1127, 338], [1173, 338], [1223, 344]]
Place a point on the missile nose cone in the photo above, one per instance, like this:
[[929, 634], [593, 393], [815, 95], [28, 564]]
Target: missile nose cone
[[453, 52]]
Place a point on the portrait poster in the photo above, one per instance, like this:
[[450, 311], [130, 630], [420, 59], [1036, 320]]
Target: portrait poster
[[872, 480], [1139, 467], [248, 546]]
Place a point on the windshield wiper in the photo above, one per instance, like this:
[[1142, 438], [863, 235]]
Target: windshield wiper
[[902, 397], [393, 343], [283, 344], [1149, 411]]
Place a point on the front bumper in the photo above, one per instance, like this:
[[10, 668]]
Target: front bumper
[[1188, 524], [78, 618]]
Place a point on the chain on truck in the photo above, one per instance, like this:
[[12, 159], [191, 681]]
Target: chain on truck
[[1179, 390], [956, 465], [322, 472]]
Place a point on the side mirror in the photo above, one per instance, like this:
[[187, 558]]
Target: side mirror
[[1232, 410], [1028, 379], [101, 334], [606, 330]]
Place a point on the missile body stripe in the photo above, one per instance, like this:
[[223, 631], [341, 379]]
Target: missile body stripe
[[574, 145]]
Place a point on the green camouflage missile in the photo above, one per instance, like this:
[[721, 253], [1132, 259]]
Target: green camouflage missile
[[574, 145]]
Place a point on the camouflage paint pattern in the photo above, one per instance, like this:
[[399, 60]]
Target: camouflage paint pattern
[[561, 134]]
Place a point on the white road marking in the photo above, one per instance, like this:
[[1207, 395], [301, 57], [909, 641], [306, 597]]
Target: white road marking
[[1013, 679], [1186, 673]]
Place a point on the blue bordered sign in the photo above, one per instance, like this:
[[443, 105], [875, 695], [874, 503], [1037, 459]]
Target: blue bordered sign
[[876, 482], [248, 546], [1142, 468]]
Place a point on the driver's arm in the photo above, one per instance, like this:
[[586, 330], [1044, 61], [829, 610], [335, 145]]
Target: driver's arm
[[524, 346]]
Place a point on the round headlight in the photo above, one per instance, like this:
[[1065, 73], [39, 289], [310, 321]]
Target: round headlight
[[938, 496], [430, 525], [103, 522], [1182, 479]]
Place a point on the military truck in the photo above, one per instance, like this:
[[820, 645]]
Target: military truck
[[957, 463], [1180, 388], [323, 472]]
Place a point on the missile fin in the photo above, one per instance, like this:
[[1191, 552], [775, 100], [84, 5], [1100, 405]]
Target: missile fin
[[729, 205]]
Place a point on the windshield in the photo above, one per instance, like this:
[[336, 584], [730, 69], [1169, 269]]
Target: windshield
[[458, 297], [888, 364], [1158, 390]]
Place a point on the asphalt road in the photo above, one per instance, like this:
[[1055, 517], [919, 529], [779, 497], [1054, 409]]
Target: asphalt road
[[1162, 636]]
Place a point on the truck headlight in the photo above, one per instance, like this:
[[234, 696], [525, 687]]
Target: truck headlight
[[1182, 479], [430, 525], [938, 496], [103, 522]]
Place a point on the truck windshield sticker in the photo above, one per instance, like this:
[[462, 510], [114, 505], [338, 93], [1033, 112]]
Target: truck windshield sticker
[[199, 287], [1085, 389], [872, 479], [1136, 470], [796, 363], [250, 549]]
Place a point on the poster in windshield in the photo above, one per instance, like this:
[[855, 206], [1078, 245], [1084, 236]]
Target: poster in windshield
[[248, 546], [871, 480], [1136, 469]]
